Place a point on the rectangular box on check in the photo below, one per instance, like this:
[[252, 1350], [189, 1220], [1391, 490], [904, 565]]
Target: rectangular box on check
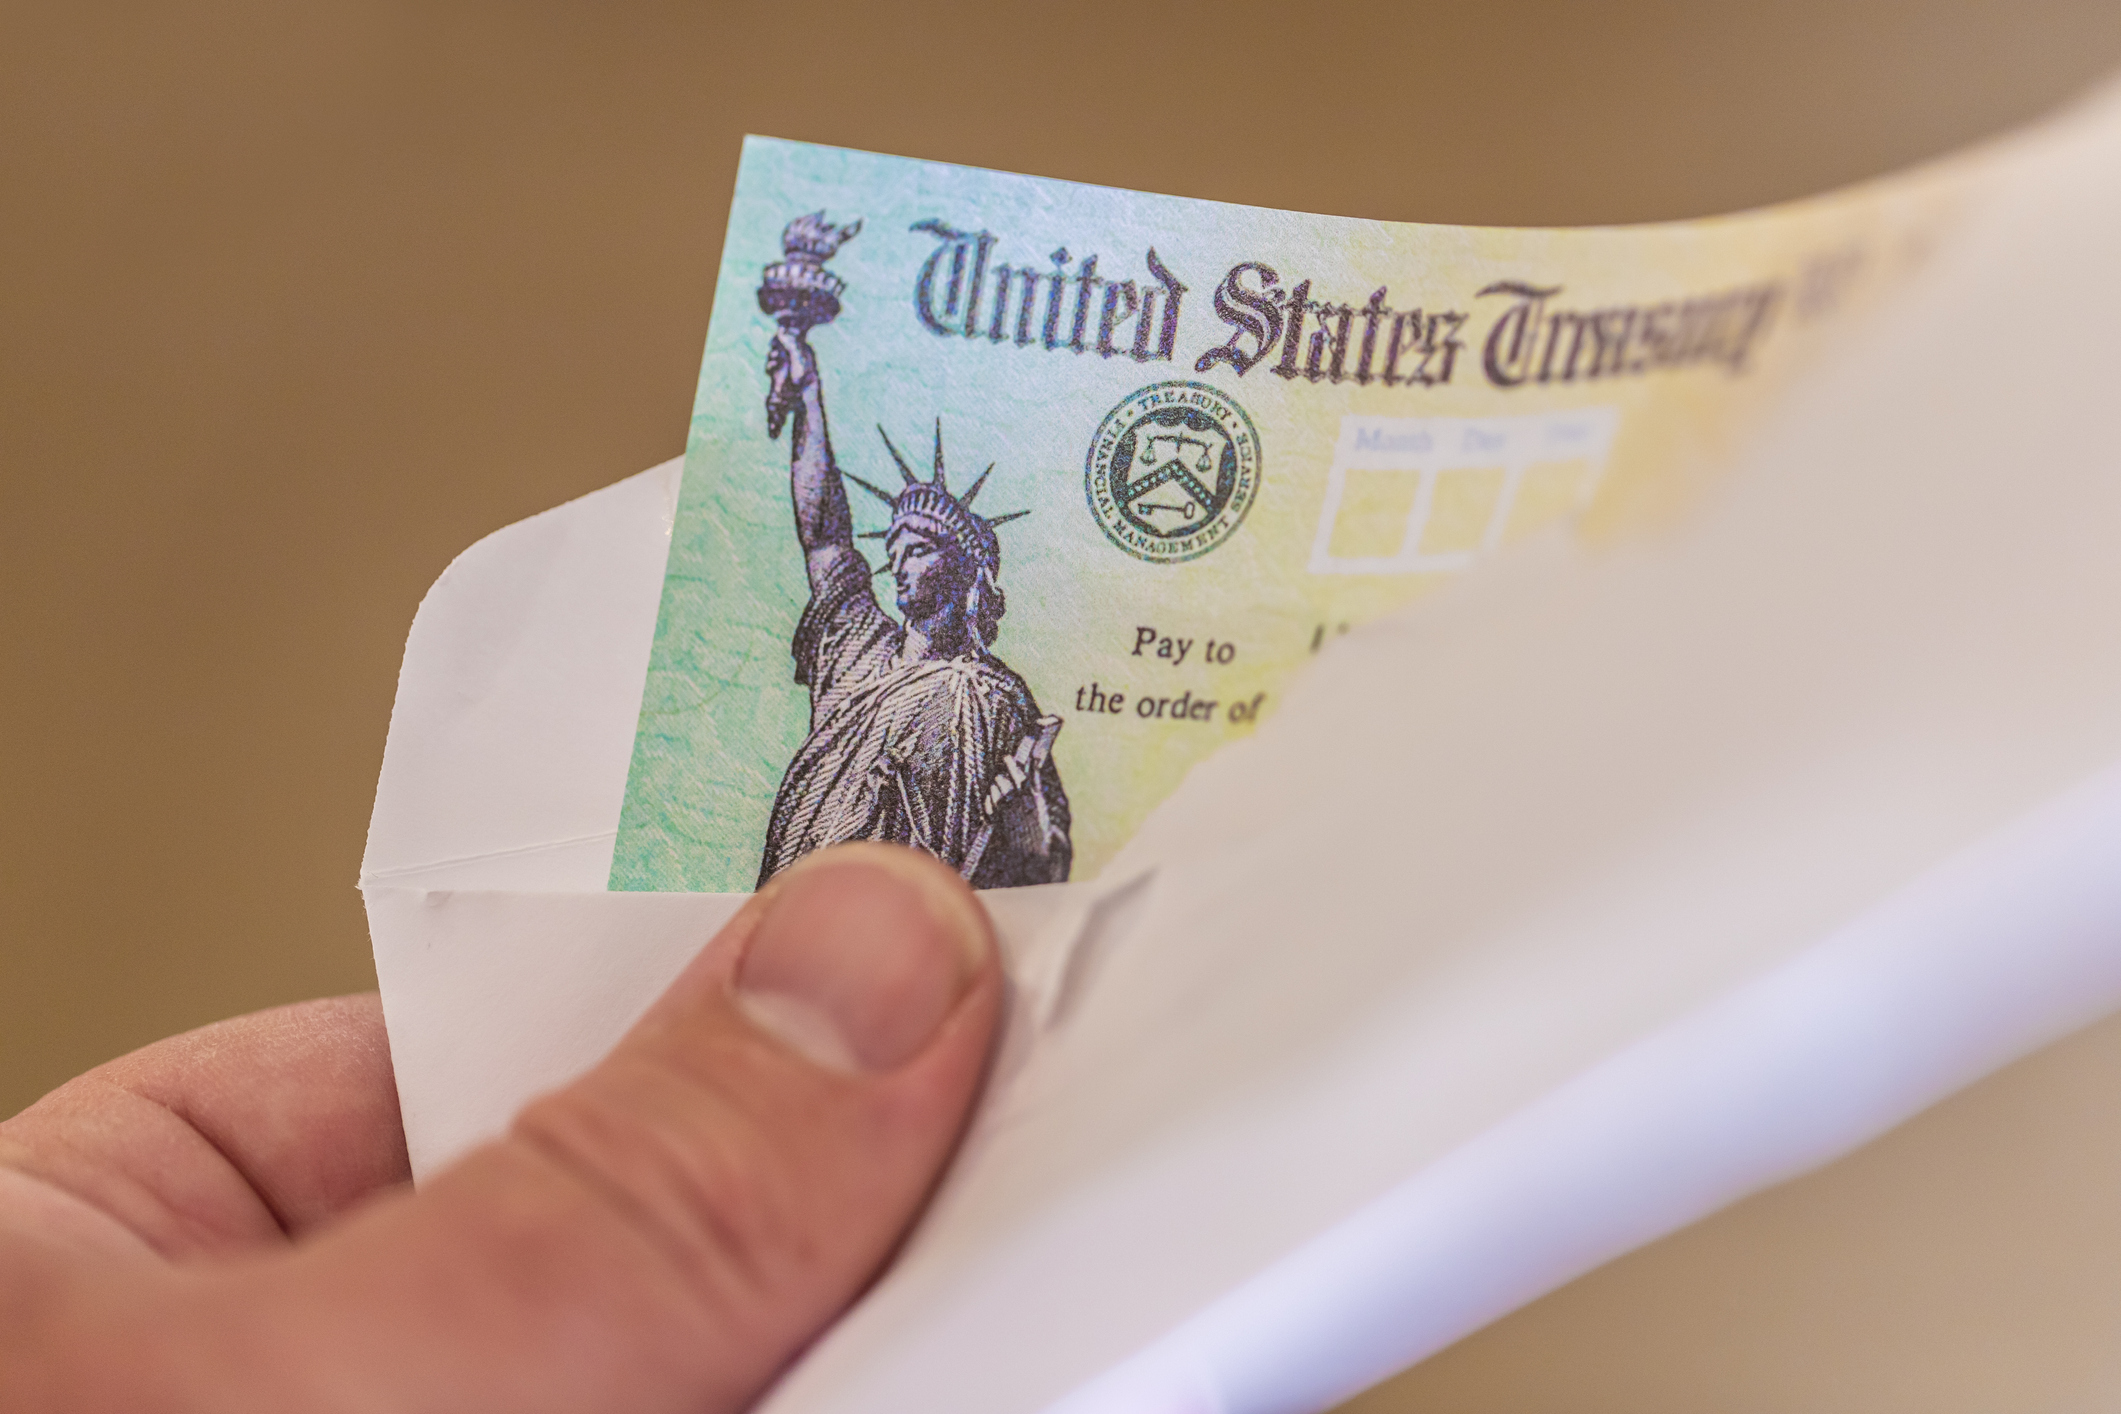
[[1409, 495]]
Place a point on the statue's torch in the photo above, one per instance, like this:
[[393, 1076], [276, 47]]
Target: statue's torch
[[799, 292]]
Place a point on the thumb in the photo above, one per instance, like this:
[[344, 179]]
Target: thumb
[[668, 1231]]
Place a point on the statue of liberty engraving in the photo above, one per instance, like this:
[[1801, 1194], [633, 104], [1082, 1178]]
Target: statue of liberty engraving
[[918, 733]]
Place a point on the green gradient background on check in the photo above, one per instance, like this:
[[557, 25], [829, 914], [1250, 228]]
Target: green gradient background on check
[[721, 713]]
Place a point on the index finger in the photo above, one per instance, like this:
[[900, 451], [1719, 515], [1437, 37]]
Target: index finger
[[250, 1130]]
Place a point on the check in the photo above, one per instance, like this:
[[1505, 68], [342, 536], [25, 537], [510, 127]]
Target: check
[[1103, 470]]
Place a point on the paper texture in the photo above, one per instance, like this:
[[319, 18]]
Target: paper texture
[[1546, 915], [1103, 470]]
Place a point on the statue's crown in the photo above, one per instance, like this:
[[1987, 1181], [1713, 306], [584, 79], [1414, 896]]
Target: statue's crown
[[813, 239], [932, 508]]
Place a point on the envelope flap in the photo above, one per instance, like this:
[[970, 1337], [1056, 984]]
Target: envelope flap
[[516, 703]]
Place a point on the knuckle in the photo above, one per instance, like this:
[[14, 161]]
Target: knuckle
[[694, 1174]]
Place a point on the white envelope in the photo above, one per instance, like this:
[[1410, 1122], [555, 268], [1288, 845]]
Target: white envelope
[[1545, 918]]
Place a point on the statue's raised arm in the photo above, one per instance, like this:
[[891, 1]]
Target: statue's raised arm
[[823, 523], [800, 294]]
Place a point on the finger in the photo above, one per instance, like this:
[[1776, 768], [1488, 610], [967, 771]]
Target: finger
[[666, 1232], [238, 1133]]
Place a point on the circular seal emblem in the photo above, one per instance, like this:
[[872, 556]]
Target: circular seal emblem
[[1172, 471]]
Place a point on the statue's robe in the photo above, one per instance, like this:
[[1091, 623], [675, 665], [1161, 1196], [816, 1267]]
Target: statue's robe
[[905, 752]]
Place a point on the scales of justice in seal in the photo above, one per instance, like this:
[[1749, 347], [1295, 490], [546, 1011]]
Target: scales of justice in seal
[[919, 734]]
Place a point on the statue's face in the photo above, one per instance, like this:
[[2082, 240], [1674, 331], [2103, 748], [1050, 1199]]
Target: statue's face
[[932, 574]]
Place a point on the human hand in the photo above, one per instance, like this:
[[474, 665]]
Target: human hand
[[222, 1221]]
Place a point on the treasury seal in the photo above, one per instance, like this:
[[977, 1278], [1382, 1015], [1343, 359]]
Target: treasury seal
[[1172, 471]]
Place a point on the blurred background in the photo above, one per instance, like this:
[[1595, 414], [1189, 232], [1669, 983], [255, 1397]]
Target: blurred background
[[296, 302]]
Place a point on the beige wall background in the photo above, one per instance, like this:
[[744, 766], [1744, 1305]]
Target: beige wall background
[[297, 301]]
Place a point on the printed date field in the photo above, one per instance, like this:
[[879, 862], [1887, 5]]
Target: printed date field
[[1412, 495]]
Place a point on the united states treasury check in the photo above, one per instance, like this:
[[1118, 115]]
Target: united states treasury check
[[1007, 499]]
